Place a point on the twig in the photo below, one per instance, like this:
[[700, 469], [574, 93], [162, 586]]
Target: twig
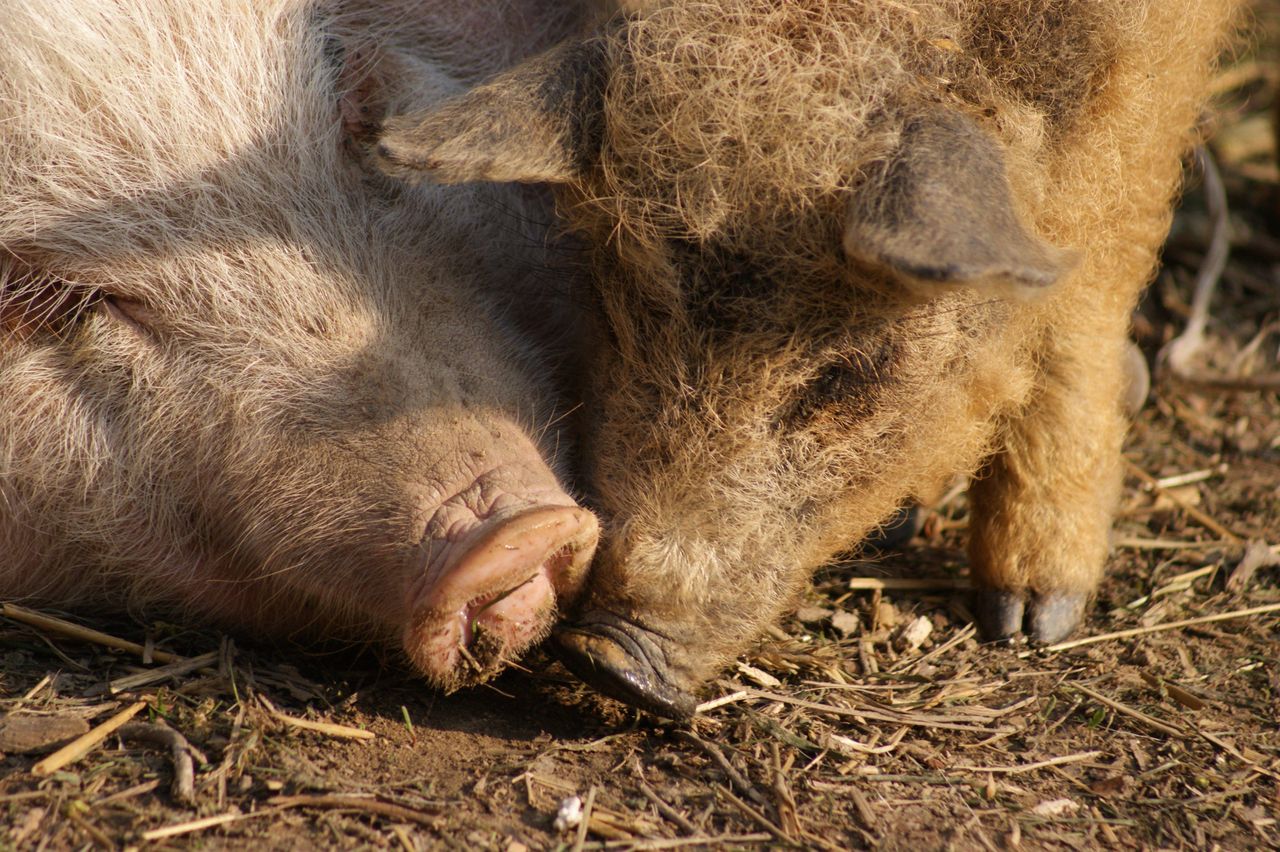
[[1177, 693], [731, 698], [1162, 544], [884, 714], [1125, 709], [760, 818], [907, 584], [785, 802], [678, 842], [141, 679], [1191, 478], [84, 634], [339, 731], [1177, 354], [30, 693], [356, 803], [1204, 519], [736, 778], [581, 837], [1155, 628], [128, 793], [663, 808], [199, 825], [85, 743], [1031, 767], [181, 751]]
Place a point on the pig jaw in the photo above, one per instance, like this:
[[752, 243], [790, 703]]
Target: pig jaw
[[496, 564]]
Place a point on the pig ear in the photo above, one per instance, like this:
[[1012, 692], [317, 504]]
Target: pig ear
[[939, 211], [538, 122]]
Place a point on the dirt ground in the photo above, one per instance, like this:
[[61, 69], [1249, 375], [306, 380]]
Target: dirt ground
[[870, 719]]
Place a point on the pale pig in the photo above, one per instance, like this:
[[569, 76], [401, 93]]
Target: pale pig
[[245, 376]]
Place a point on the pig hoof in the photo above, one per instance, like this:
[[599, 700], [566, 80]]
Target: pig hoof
[[624, 661], [899, 529], [1044, 619], [1054, 616], [999, 614]]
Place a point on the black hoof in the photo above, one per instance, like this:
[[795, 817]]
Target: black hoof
[[903, 526], [1044, 619], [624, 661]]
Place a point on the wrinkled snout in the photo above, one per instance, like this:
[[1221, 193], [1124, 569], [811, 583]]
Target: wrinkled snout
[[627, 660], [494, 591]]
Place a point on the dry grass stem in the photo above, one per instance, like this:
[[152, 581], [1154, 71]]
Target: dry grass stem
[[195, 825], [1124, 709], [147, 678], [908, 584], [356, 803], [1131, 543], [762, 820], [735, 777], [1193, 512], [709, 841], [85, 743], [1031, 767], [723, 700], [666, 810], [1154, 628], [84, 634], [587, 804], [328, 728]]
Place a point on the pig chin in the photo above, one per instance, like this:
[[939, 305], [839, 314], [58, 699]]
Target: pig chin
[[494, 571]]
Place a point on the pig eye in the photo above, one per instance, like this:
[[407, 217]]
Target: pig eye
[[131, 313]]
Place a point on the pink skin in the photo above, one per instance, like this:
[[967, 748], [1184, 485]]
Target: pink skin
[[495, 568], [505, 584]]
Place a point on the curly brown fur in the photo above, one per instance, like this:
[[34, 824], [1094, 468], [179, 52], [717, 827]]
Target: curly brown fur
[[762, 398]]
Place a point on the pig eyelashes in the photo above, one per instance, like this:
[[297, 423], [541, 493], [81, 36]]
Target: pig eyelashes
[[131, 313], [33, 300]]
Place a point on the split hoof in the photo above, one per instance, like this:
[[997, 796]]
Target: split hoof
[[1043, 618], [901, 527]]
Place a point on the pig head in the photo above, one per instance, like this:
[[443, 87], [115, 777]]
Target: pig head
[[244, 375], [844, 251]]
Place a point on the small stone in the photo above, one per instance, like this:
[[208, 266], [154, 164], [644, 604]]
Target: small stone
[[1056, 808], [568, 815], [812, 614], [887, 615], [915, 633], [846, 623]]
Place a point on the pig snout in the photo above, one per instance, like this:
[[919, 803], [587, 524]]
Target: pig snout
[[626, 660], [492, 575]]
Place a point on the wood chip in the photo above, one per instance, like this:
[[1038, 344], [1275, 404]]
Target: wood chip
[[31, 734]]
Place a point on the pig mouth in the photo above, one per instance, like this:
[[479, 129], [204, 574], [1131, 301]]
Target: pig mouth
[[625, 660], [498, 596]]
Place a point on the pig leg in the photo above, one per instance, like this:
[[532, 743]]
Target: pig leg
[[1042, 508]]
